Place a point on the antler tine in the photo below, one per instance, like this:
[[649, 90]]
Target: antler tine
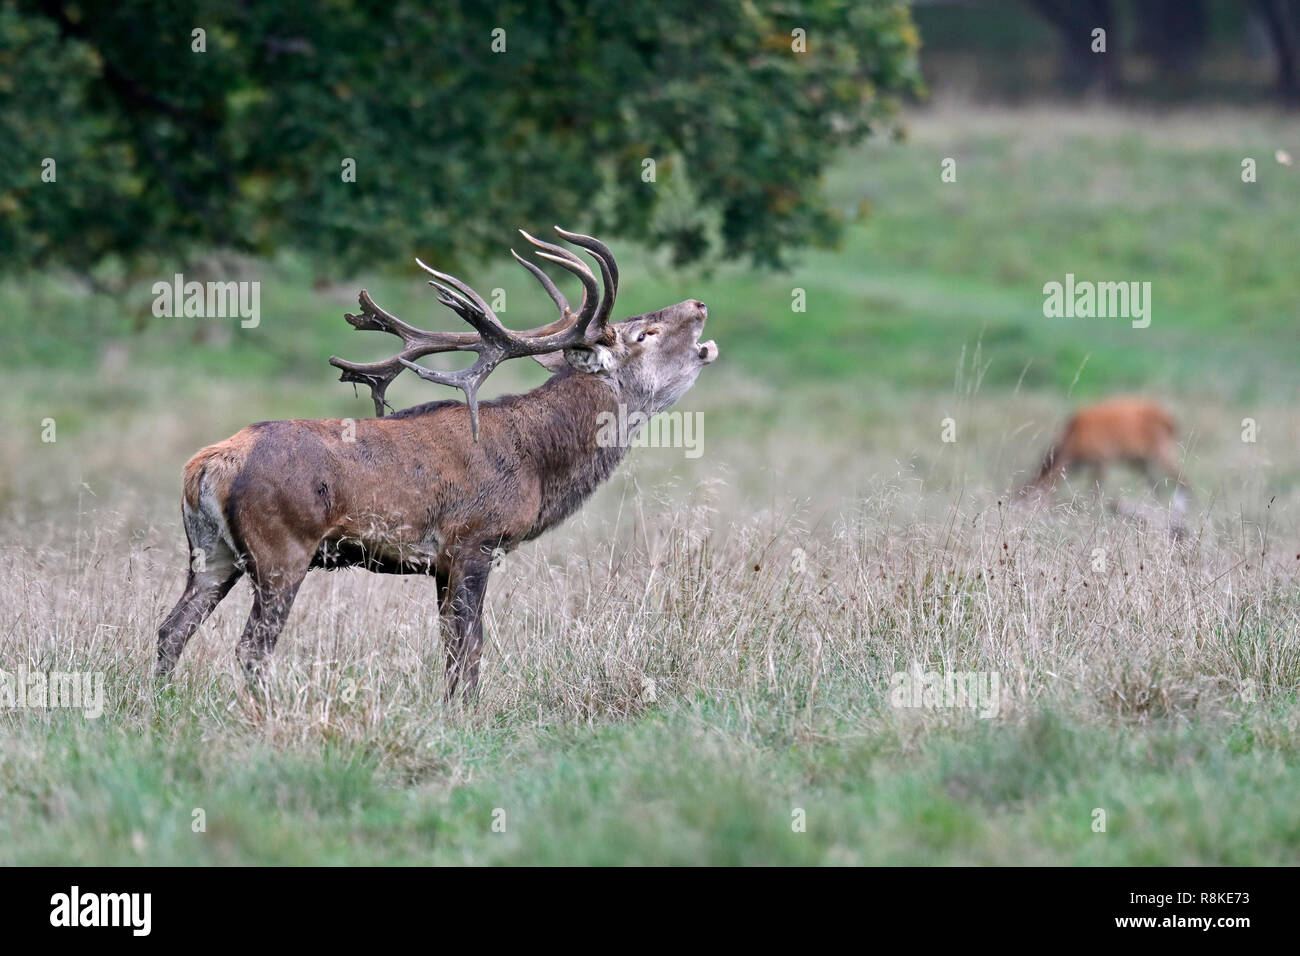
[[563, 257], [450, 297], [376, 375], [467, 380], [486, 322], [608, 269], [590, 294], [460, 287], [556, 295], [579, 269], [374, 318], [567, 260], [552, 248]]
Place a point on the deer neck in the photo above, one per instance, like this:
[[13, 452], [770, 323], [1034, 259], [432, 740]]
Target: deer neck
[[562, 434]]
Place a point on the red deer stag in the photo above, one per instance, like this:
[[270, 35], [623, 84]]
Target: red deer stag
[[1126, 430], [438, 488]]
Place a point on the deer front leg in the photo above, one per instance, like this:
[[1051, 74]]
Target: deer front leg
[[1166, 461], [461, 615]]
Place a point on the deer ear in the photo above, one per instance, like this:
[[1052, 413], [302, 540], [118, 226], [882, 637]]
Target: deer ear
[[551, 361], [595, 359]]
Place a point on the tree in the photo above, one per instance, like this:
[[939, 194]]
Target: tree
[[167, 140]]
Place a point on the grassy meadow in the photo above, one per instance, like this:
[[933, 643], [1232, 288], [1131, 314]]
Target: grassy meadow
[[697, 668]]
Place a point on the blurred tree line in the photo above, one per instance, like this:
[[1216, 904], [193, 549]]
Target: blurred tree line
[[166, 140], [1243, 50]]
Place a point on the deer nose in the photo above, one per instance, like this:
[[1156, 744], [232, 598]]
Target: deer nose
[[704, 309]]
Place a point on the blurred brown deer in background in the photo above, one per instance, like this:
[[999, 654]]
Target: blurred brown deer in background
[[440, 488], [1131, 431]]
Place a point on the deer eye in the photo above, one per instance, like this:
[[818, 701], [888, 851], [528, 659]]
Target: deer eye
[[641, 337]]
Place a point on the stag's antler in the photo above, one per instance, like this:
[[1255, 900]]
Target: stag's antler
[[493, 342]]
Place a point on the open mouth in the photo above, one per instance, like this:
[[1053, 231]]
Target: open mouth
[[707, 351]]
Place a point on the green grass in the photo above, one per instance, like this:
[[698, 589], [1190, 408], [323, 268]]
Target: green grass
[[694, 784]]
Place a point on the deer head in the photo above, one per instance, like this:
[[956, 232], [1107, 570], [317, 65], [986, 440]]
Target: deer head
[[654, 358]]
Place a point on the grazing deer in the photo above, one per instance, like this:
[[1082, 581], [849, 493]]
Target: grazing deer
[[1129, 430], [440, 488]]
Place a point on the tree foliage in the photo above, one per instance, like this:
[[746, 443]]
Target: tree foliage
[[160, 148]]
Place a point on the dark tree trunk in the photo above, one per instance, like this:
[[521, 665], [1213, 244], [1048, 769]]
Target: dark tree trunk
[[1174, 32], [1085, 72], [1282, 24]]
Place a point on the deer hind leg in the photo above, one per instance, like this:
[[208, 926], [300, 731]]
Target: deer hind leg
[[461, 614], [273, 593], [214, 569]]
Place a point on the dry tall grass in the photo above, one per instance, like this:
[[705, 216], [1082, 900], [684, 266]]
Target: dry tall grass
[[655, 596]]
